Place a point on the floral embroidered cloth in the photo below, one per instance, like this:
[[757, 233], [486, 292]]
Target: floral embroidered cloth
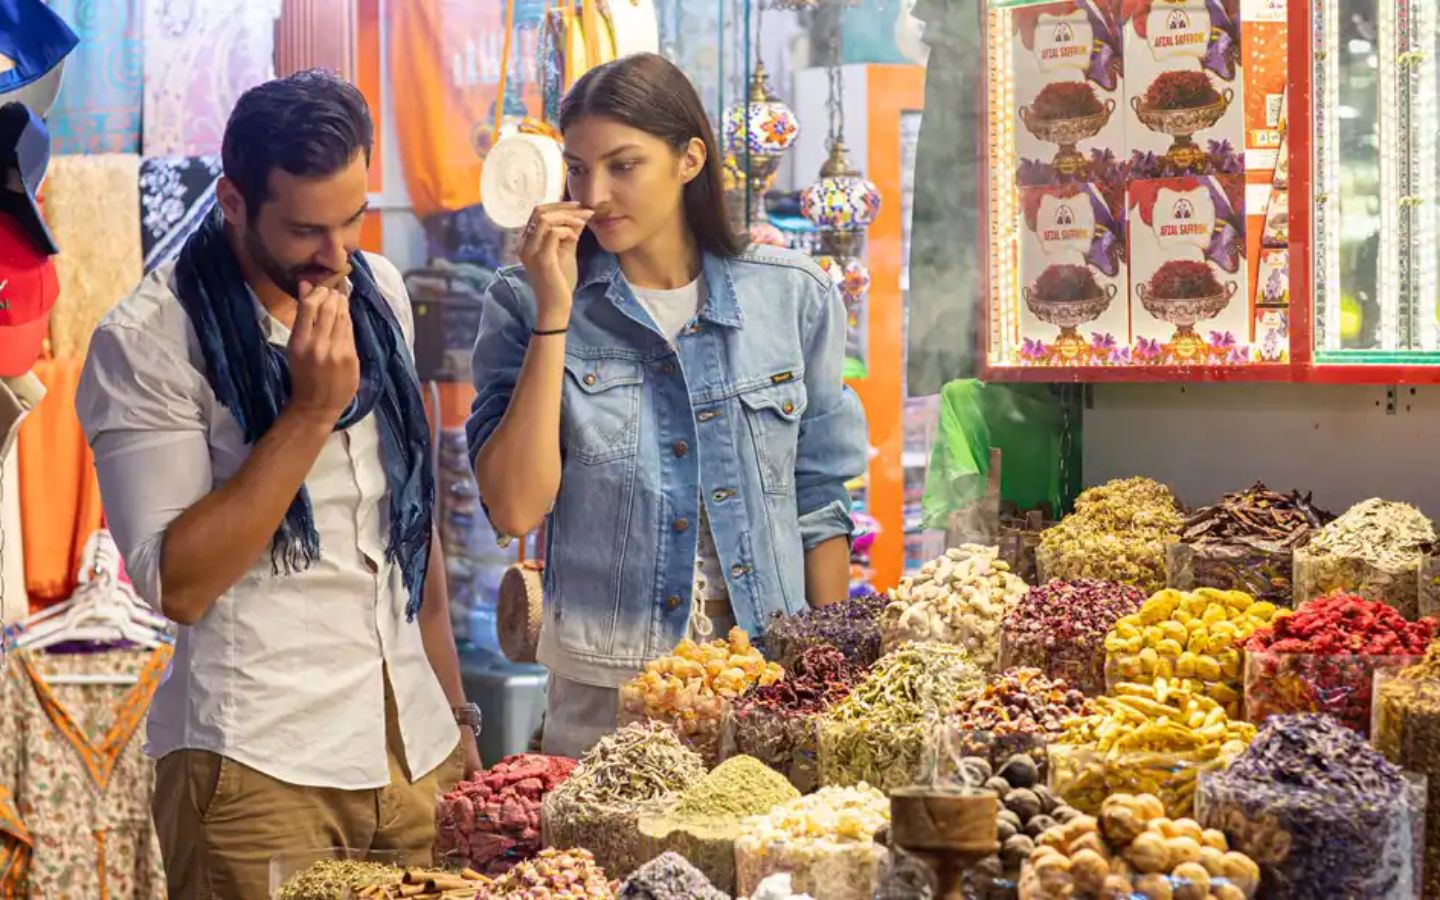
[[176, 193], [75, 784]]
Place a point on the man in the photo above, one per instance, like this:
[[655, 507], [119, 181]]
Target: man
[[263, 456]]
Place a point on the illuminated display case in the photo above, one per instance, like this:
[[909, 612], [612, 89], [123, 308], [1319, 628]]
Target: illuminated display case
[[1212, 190]]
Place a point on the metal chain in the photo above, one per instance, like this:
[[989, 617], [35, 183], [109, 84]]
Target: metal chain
[[1067, 444], [834, 104]]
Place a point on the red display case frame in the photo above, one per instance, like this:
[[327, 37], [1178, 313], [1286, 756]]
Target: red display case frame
[[1301, 367]]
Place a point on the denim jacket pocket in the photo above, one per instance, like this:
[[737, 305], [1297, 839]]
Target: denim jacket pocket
[[773, 414], [601, 413]]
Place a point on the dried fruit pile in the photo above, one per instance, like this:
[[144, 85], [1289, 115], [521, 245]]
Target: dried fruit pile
[[492, 822], [555, 875], [1323, 657], [1060, 629]]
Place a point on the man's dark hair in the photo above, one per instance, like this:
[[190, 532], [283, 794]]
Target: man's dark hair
[[309, 124]]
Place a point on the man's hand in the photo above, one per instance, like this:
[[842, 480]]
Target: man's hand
[[471, 750], [324, 367]]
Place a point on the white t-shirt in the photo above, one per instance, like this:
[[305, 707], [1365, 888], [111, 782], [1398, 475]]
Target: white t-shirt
[[672, 310]]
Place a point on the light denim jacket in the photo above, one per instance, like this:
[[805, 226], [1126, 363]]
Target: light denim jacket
[[747, 413]]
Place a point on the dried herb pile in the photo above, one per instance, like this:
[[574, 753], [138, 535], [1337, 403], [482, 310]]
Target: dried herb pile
[[331, 878], [1323, 814], [1376, 549], [669, 877], [852, 627], [1060, 628], [883, 732], [1407, 732], [1118, 532]]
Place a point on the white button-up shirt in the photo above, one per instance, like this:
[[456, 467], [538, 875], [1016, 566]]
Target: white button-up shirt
[[285, 673]]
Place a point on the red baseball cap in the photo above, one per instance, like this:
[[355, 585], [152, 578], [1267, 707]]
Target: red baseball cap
[[28, 288]]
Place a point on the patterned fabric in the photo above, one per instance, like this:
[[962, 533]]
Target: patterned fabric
[[175, 194], [98, 110], [200, 56], [78, 782]]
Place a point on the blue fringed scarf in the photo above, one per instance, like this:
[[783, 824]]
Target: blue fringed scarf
[[251, 377]]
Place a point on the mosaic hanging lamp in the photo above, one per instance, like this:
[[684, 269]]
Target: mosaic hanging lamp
[[842, 203], [758, 132]]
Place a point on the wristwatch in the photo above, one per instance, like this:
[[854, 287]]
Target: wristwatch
[[470, 716]]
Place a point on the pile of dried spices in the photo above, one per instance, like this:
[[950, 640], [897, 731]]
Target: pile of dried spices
[[1134, 850], [1190, 638], [1246, 542], [852, 627], [1064, 283], [1060, 628], [702, 823], [1066, 100], [960, 598], [492, 821], [420, 884], [1376, 549], [776, 723], [669, 877], [555, 875], [1147, 738], [628, 774], [1407, 732], [690, 690], [884, 732], [1323, 658], [1180, 90], [1018, 712], [1118, 532], [1322, 813], [327, 879], [825, 841]]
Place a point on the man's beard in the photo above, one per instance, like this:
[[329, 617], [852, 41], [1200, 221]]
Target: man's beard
[[286, 278]]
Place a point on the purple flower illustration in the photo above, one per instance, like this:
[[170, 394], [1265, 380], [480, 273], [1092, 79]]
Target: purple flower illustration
[[1034, 351]]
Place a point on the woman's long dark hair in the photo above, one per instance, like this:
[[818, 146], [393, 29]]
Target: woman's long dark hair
[[649, 93]]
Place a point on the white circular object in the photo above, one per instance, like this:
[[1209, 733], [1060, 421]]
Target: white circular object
[[521, 172]]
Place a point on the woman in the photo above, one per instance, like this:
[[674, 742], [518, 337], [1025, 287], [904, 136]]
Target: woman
[[670, 398]]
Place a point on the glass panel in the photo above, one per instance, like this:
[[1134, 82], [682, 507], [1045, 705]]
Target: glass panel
[[1358, 129]]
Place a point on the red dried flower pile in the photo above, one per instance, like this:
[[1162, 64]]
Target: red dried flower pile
[[1064, 283], [492, 822], [1066, 100], [1322, 658], [1181, 90], [1184, 279]]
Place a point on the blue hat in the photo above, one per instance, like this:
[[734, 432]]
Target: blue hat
[[24, 151], [33, 39]]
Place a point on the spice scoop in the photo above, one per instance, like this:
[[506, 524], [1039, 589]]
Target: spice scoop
[[950, 830]]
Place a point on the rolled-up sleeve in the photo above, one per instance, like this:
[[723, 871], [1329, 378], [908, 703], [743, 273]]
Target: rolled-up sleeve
[[834, 444], [500, 348], [142, 413]]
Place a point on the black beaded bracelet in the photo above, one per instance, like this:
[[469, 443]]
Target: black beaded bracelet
[[535, 332]]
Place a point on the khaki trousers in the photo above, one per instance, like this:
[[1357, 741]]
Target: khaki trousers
[[220, 822]]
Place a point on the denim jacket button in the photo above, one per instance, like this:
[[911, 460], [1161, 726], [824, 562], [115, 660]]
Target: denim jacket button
[[789, 408], [681, 525], [591, 379], [681, 448], [738, 571], [668, 369], [673, 602]]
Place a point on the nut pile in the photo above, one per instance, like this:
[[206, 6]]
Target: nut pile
[[1190, 637], [1118, 532], [1148, 738], [1407, 732], [825, 840], [960, 598], [1060, 628], [1321, 812], [690, 688], [1133, 850], [882, 732], [1019, 711], [1376, 550], [1323, 658], [493, 821], [555, 875], [1246, 542], [852, 627]]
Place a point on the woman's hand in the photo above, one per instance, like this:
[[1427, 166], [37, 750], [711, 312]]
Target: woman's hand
[[547, 248]]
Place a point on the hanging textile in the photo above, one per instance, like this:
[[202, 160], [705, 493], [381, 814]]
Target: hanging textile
[[98, 109], [59, 492], [315, 34], [445, 55], [176, 193], [200, 56], [90, 204], [75, 784]]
